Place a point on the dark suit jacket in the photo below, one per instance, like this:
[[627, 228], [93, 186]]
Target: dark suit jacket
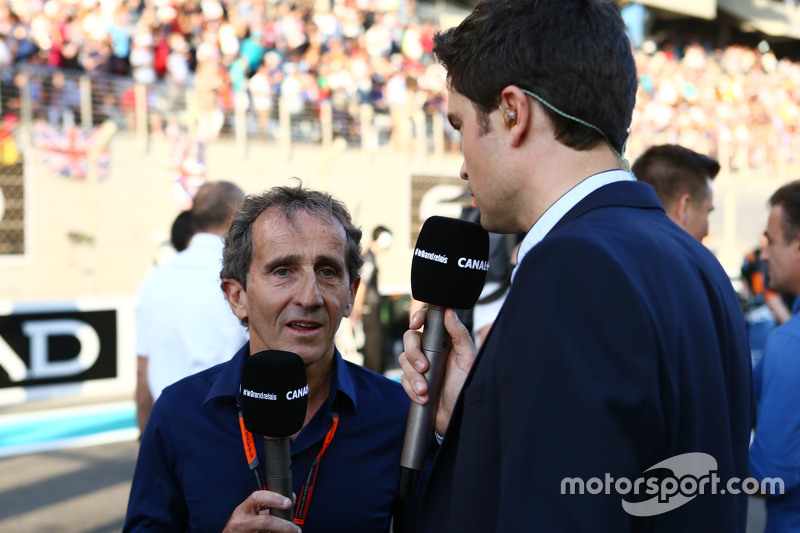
[[621, 345]]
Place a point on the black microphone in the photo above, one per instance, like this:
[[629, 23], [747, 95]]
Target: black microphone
[[274, 401], [449, 267]]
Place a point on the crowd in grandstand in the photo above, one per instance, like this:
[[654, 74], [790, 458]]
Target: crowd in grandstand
[[739, 104]]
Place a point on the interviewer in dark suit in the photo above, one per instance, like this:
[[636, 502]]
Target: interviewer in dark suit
[[621, 344]]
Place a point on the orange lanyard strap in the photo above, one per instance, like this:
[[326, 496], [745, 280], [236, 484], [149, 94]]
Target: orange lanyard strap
[[304, 501], [251, 454]]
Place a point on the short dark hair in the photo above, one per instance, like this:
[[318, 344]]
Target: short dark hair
[[572, 53], [238, 251], [182, 230], [788, 197], [215, 203], [674, 170]]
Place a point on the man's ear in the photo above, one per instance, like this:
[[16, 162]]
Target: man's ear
[[681, 208], [515, 103], [351, 298], [236, 296]]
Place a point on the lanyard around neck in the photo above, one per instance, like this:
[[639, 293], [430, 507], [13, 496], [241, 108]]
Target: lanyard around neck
[[307, 490]]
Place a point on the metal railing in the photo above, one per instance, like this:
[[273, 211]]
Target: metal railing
[[66, 98]]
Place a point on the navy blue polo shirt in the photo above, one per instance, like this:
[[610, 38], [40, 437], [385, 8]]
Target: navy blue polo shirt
[[192, 471]]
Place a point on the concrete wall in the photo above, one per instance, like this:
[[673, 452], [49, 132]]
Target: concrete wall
[[99, 238]]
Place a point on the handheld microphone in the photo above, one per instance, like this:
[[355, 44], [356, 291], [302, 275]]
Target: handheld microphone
[[274, 394], [449, 267]]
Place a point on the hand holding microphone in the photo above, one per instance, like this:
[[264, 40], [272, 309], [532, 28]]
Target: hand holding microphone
[[414, 365], [451, 258], [249, 517], [274, 403]]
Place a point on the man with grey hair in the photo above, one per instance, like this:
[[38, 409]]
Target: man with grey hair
[[775, 451], [290, 273]]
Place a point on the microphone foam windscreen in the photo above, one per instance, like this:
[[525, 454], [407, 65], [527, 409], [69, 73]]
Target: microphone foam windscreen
[[274, 393], [450, 261]]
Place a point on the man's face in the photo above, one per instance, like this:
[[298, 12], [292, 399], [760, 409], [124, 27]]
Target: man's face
[[784, 259], [298, 288], [490, 183], [696, 218]]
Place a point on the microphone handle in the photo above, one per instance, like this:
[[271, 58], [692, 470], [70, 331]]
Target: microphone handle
[[278, 455], [420, 425]]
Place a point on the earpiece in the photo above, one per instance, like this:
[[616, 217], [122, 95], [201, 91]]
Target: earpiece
[[510, 117]]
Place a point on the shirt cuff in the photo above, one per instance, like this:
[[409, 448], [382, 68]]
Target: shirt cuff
[[439, 438]]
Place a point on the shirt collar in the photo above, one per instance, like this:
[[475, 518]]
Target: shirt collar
[[206, 240], [228, 381], [796, 306], [561, 207]]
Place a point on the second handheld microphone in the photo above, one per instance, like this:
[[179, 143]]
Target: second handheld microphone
[[274, 402], [448, 270]]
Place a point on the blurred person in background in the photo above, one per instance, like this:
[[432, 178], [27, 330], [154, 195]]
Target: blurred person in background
[[682, 180], [183, 323], [367, 307], [182, 230], [775, 451]]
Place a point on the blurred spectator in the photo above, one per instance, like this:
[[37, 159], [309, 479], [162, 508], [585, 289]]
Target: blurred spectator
[[183, 322], [120, 37], [142, 58], [682, 180], [182, 230], [63, 99], [763, 307], [775, 449], [19, 38], [6, 57], [367, 305], [261, 94], [208, 82]]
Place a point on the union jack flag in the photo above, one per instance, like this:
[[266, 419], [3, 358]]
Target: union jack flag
[[67, 152]]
